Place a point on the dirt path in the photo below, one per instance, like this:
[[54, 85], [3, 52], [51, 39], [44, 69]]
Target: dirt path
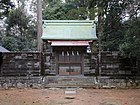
[[58, 97]]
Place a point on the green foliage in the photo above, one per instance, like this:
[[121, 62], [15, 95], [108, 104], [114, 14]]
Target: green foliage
[[113, 32], [130, 48], [20, 32], [5, 6], [70, 10], [10, 43], [17, 18], [54, 12], [18, 43], [131, 45]]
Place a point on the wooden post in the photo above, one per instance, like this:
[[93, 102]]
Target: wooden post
[[39, 26], [39, 34], [99, 56]]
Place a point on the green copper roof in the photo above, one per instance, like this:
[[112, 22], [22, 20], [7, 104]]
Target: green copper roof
[[69, 30]]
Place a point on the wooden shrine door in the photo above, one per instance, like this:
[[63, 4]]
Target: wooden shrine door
[[69, 60]]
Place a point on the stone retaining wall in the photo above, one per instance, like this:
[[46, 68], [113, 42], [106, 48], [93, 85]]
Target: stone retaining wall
[[20, 82], [106, 82], [65, 81]]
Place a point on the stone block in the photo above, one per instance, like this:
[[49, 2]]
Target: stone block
[[20, 85], [36, 65], [70, 92], [86, 60], [5, 86], [36, 86]]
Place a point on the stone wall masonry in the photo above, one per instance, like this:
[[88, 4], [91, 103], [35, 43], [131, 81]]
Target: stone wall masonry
[[109, 63], [66, 81], [23, 69], [90, 64], [107, 82], [49, 63], [21, 64], [114, 66], [117, 71], [20, 82]]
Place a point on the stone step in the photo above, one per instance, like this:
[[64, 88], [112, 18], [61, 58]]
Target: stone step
[[69, 81]]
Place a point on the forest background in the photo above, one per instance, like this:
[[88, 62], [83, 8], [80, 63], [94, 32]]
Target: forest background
[[118, 22]]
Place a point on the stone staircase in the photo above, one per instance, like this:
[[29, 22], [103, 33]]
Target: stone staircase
[[69, 81]]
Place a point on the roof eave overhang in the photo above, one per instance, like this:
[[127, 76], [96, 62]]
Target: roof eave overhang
[[70, 39]]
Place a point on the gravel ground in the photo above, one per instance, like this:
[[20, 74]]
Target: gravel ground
[[56, 96]]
